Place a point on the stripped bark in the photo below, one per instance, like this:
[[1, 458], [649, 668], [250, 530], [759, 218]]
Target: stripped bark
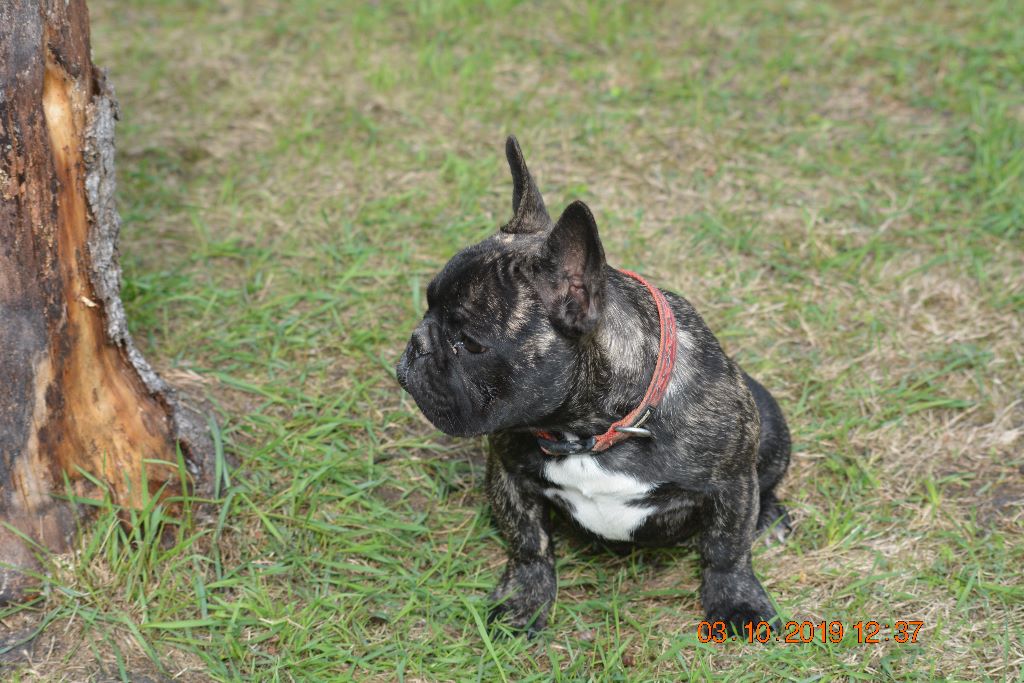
[[76, 396]]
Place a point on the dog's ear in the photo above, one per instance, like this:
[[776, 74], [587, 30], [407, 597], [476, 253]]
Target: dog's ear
[[528, 211], [571, 280]]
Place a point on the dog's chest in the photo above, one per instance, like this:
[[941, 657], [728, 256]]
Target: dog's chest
[[605, 503]]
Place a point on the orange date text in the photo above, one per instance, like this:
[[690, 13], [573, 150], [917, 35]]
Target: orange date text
[[866, 632]]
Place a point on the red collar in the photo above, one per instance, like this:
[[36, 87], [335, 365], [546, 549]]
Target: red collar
[[631, 424]]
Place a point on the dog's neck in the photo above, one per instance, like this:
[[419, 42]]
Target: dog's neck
[[614, 371]]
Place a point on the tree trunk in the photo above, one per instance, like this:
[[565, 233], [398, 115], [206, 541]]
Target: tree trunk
[[76, 396]]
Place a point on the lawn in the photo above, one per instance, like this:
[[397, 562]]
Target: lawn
[[838, 188]]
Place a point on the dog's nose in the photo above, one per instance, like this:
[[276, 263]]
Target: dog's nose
[[421, 342]]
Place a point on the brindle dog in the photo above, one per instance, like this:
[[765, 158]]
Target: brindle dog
[[532, 338]]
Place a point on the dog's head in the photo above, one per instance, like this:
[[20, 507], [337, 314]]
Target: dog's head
[[502, 333]]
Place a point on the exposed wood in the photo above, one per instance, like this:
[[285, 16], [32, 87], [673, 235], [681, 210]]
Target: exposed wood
[[75, 394]]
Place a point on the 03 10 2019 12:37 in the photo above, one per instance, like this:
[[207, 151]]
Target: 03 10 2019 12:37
[[867, 632]]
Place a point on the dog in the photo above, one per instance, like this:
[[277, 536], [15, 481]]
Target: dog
[[606, 400]]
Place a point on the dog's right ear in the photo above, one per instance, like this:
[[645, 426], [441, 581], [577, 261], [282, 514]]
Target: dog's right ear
[[529, 213]]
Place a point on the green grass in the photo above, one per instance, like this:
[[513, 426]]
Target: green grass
[[839, 188]]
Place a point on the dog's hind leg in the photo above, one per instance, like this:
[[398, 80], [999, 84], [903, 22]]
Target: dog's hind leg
[[772, 460]]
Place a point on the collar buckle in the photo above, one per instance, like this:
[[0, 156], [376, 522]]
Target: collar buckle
[[635, 431]]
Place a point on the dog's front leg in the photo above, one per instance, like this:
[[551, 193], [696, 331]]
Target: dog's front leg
[[729, 590], [526, 591]]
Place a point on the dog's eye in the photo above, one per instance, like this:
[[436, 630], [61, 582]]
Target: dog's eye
[[468, 343]]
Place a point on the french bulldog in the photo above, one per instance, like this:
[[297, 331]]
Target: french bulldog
[[606, 400]]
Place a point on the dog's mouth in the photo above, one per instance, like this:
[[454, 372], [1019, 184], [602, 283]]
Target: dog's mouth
[[402, 371], [429, 387]]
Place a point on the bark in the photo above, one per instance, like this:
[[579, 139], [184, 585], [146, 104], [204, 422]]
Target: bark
[[76, 396]]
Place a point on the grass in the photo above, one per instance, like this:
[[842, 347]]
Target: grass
[[839, 188]]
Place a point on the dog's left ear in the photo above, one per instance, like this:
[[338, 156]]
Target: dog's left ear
[[572, 279]]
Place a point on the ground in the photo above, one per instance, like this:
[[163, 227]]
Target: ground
[[838, 188]]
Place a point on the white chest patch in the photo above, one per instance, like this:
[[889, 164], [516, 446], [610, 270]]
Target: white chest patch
[[598, 500]]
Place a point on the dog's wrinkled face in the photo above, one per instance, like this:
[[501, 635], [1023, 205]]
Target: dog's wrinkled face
[[505, 317]]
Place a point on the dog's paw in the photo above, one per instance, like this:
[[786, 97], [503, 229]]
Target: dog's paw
[[509, 618], [773, 522], [776, 535], [737, 617], [523, 598]]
